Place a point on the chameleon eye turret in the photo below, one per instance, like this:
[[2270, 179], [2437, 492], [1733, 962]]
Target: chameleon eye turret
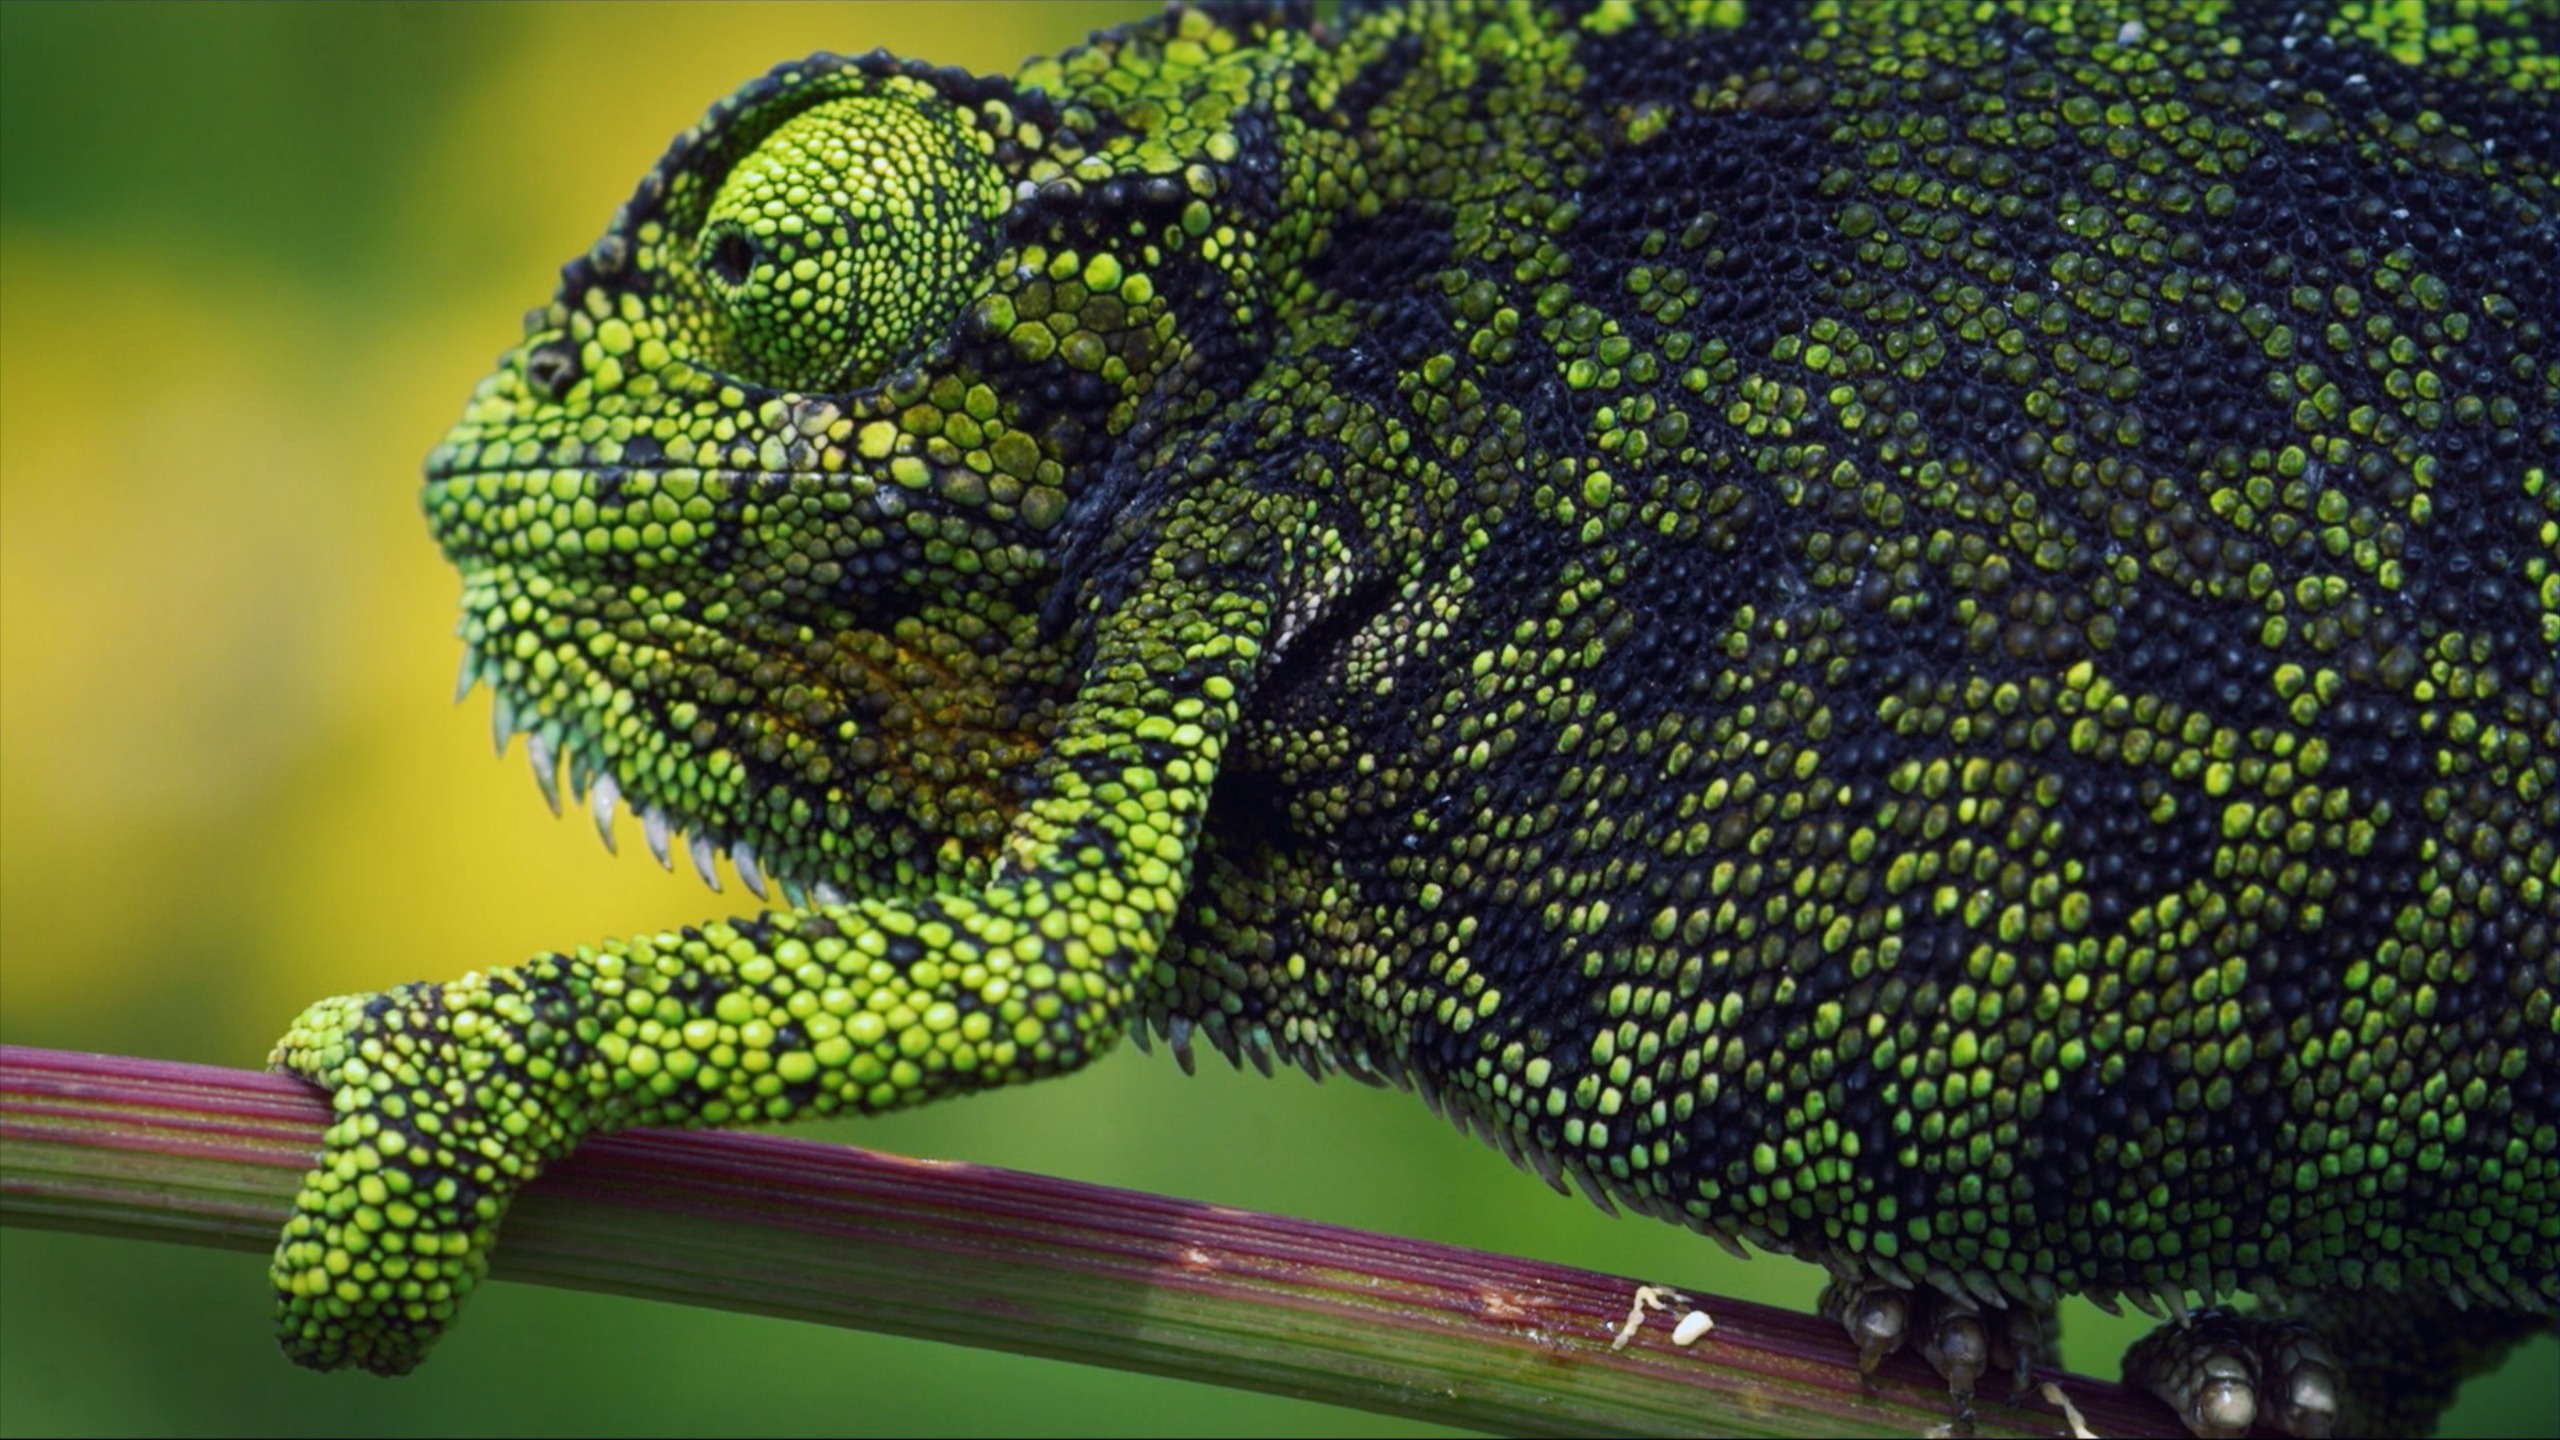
[[849, 239]]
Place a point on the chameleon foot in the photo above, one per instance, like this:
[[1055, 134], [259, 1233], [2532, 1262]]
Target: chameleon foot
[[434, 1131], [2222, 1371], [1956, 1337]]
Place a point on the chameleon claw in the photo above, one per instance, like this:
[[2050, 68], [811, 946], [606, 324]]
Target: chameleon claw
[[1958, 1348], [393, 1230]]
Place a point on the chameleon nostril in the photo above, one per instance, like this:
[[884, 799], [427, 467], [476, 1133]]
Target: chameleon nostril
[[551, 369]]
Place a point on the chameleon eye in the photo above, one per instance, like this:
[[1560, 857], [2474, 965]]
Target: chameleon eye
[[729, 258], [845, 243]]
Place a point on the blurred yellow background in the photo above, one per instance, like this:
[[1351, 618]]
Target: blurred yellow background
[[251, 261]]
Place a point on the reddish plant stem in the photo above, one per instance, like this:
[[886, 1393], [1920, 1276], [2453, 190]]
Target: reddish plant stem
[[982, 1256]]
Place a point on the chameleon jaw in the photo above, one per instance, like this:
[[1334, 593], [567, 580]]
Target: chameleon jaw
[[886, 724], [550, 747]]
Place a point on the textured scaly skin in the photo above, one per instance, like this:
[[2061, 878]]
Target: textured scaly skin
[[1919, 639]]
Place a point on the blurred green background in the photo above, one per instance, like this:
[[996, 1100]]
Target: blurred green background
[[251, 261]]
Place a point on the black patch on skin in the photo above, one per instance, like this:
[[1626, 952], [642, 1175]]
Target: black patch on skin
[[1384, 271], [1759, 181], [1682, 597], [1714, 1146], [2129, 860], [2377, 752], [2204, 657], [1249, 812], [2465, 571], [1377, 81], [2361, 80], [1638, 63], [1083, 216], [1052, 401], [643, 453]]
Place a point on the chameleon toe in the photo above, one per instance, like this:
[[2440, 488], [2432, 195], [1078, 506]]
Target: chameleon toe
[[1877, 1317], [1958, 1347]]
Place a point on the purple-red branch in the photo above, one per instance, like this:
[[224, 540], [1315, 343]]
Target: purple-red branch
[[982, 1256]]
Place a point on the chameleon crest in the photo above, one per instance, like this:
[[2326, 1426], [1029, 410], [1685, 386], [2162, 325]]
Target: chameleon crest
[[1925, 640]]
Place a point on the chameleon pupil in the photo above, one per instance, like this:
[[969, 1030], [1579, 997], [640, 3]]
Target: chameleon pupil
[[733, 260]]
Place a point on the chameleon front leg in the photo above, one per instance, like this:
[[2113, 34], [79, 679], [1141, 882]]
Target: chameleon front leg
[[450, 1097]]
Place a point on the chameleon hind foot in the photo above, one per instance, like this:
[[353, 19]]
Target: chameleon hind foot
[[1960, 1340], [2222, 1371], [2395, 1358]]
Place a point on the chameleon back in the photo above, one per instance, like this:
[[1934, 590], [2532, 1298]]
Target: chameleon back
[[1947, 655]]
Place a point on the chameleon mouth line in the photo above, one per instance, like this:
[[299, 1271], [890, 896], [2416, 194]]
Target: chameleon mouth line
[[654, 472]]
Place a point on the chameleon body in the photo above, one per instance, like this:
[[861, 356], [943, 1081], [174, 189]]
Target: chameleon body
[[1917, 635]]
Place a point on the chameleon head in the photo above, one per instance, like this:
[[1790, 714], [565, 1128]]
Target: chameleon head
[[757, 523]]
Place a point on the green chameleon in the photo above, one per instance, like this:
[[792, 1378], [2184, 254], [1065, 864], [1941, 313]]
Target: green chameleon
[[1918, 635]]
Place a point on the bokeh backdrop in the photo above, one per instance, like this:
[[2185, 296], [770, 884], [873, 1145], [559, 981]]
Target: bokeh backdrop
[[251, 261]]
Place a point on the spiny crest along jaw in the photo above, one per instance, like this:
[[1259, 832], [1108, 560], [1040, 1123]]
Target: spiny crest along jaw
[[550, 748]]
